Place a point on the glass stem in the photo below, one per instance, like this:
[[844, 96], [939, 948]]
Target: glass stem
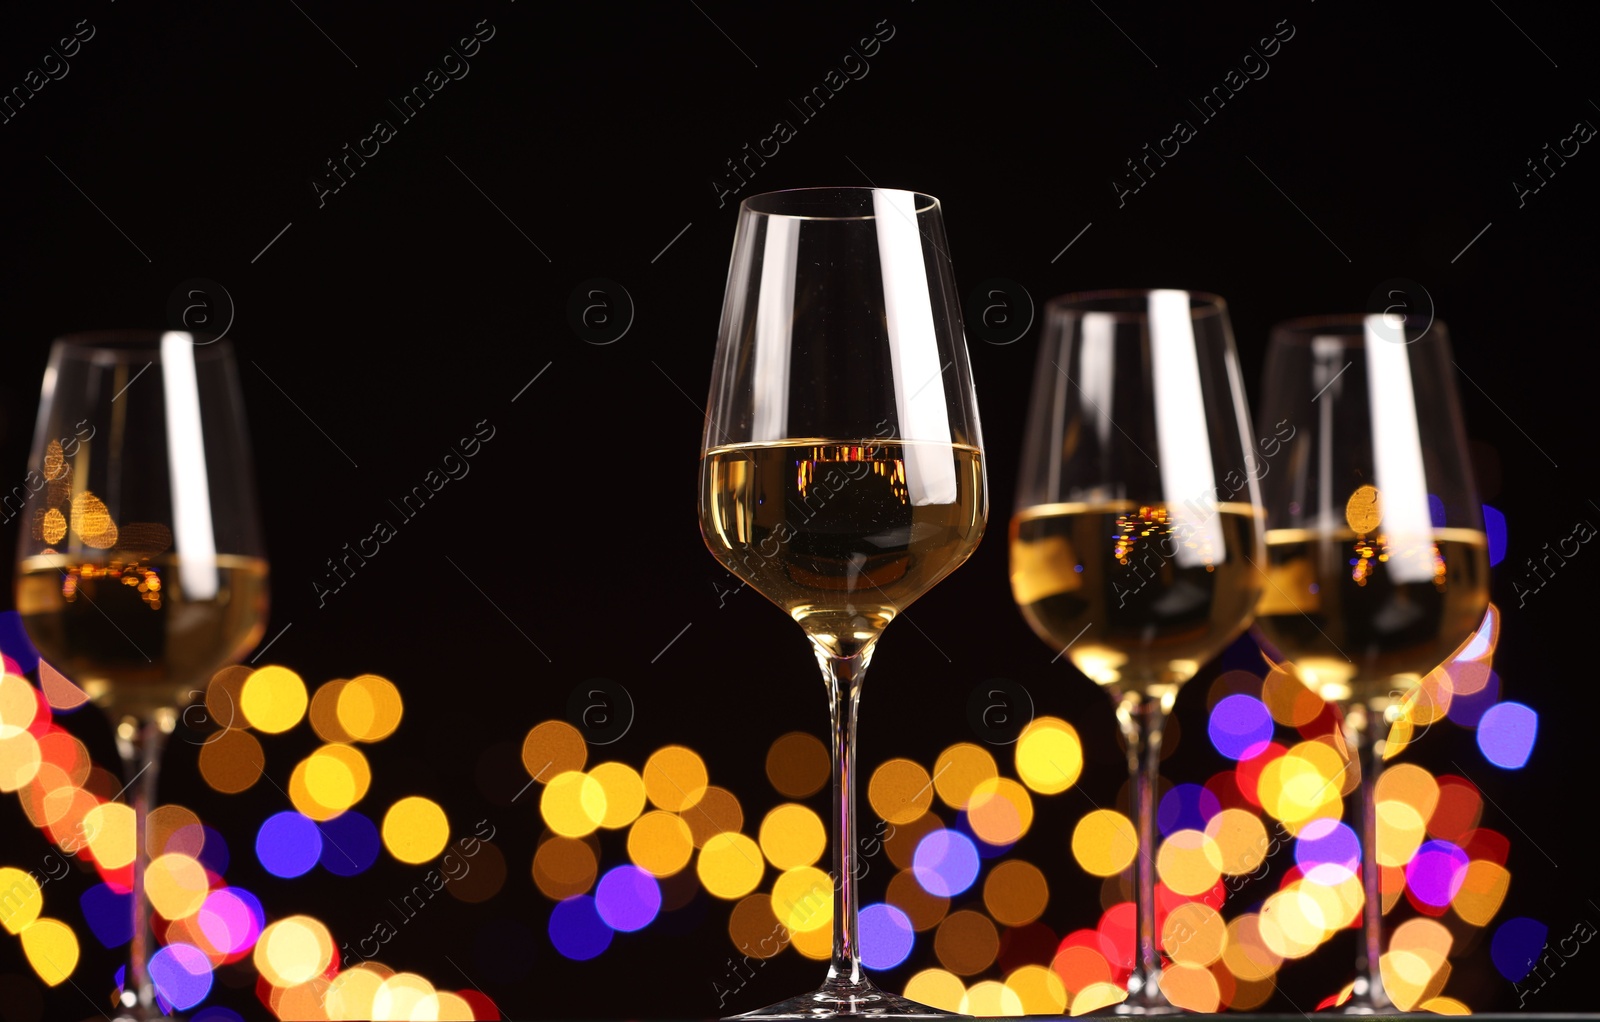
[[1365, 738], [843, 676], [140, 742], [1142, 718]]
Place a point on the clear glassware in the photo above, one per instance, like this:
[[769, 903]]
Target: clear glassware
[[1137, 534], [140, 566], [842, 474], [1377, 562]]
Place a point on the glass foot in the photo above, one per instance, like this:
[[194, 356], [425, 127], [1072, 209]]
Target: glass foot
[[846, 1000], [1145, 997]]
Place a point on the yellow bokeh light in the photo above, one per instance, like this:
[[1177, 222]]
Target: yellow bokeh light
[[20, 899], [730, 865], [1246, 954], [999, 810], [1194, 934], [552, 749], [1303, 784], [349, 996], [792, 835], [900, 791], [1482, 890], [324, 712], [18, 705], [109, 828], [273, 699], [1104, 842], [1288, 699], [1097, 997], [52, 950], [176, 885], [1039, 990], [816, 945], [1290, 922], [1049, 756], [1189, 862], [991, 998], [573, 804], [293, 950], [1241, 839], [959, 769], [19, 760], [405, 997], [453, 1007], [1191, 987], [231, 761], [1444, 1006], [1400, 833], [1410, 977], [369, 708], [674, 778], [415, 829], [1409, 783], [660, 843], [1015, 892], [329, 781], [802, 899], [1422, 934], [937, 989], [624, 792]]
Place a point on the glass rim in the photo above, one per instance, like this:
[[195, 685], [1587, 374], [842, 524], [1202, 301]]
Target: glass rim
[[131, 344], [1202, 304], [1346, 328], [752, 204]]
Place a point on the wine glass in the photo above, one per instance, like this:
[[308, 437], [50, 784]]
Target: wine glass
[[140, 567], [842, 474], [1377, 563], [1137, 531]]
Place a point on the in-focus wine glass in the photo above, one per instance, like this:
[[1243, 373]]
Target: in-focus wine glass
[[1137, 534], [140, 566], [842, 474], [1377, 562]]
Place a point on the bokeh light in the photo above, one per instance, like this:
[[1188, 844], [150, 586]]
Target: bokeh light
[[802, 899], [350, 844], [288, 844], [674, 778], [1104, 842], [958, 770], [797, 765], [792, 835], [415, 829], [181, 974], [946, 862], [1240, 726], [573, 804], [1506, 734], [293, 950], [1049, 756], [966, 942], [577, 930], [886, 936], [627, 898], [369, 708], [273, 699], [1016, 892], [660, 843], [730, 865], [552, 749], [624, 794], [900, 791]]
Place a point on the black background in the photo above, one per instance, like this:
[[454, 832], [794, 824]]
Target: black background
[[424, 295]]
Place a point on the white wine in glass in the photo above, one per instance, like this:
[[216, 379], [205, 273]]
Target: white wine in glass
[[1377, 561], [842, 470], [140, 566]]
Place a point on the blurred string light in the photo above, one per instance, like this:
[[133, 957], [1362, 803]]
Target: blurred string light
[[200, 920]]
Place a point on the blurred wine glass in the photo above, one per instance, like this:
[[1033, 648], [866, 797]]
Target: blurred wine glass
[[140, 567], [1136, 539], [1377, 561]]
